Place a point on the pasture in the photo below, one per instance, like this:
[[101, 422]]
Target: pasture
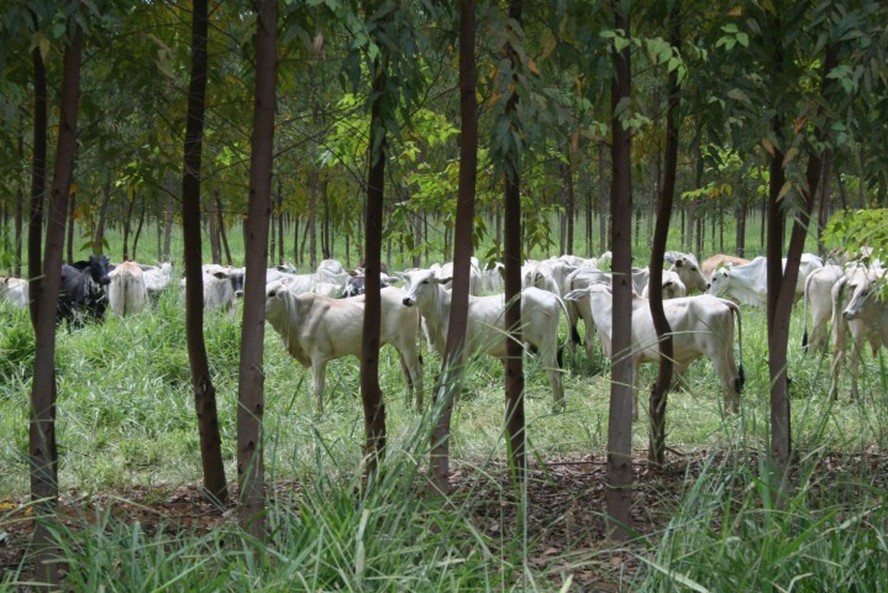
[[126, 427]]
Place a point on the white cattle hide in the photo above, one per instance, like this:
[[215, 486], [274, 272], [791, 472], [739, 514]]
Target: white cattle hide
[[14, 290], [673, 287], [858, 312], [316, 329], [818, 298], [722, 260], [127, 292], [701, 326], [540, 312], [747, 283], [157, 277]]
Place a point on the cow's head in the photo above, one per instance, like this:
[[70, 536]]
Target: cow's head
[[421, 285], [690, 274], [98, 269], [864, 295], [718, 283]]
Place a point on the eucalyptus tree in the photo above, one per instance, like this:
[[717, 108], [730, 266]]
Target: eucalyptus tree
[[201, 379]]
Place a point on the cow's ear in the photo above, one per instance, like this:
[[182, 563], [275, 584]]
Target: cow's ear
[[220, 274], [446, 280]]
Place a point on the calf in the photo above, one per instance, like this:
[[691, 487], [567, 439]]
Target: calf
[[689, 272], [858, 312], [316, 329], [701, 326], [127, 290], [485, 325], [14, 290]]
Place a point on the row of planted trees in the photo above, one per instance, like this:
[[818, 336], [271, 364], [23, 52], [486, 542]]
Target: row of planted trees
[[781, 93]]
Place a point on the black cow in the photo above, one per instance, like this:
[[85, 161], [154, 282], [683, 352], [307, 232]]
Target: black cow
[[82, 294]]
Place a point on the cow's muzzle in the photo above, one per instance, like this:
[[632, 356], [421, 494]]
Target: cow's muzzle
[[408, 302]]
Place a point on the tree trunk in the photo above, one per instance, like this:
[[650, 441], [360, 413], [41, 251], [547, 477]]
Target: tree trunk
[[823, 210], [280, 221], [567, 171], [313, 218], [619, 438], [371, 394], [201, 380], [69, 241], [603, 203], [223, 235], [19, 228], [127, 225], [168, 219], [781, 282], [741, 229], [42, 446], [251, 386], [450, 380], [514, 366], [139, 226], [657, 449], [213, 233]]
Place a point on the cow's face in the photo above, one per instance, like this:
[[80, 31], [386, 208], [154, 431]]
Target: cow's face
[[863, 301], [690, 274], [422, 285], [98, 269], [719, 281]]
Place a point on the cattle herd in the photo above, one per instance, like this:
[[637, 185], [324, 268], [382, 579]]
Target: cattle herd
[[319, 316]]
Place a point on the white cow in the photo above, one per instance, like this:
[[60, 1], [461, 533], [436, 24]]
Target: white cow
[[540, 312], [222, 286], [864, 318], [686, 267], [701, 326], [576, 280], [316, 329], [157, 277], [748, 283], [127, 291], [550, 274], [476, 281], [328, 280], [673, 287], [14, 290], [818, 298]]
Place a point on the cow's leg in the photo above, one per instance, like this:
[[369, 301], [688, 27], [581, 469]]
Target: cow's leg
[[556, 382], [411, 366], [319, 377]]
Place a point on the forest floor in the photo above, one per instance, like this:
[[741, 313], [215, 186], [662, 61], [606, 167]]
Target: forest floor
[[565, 518]]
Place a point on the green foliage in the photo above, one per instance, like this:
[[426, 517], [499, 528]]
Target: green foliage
[[17, 345], [857, 231]]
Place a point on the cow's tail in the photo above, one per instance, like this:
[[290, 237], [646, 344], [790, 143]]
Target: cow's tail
[[741, 374]]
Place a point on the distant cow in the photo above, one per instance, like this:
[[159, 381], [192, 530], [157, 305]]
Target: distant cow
[[858, 313], [127, 291], [722, 260], [14, 290], [316, 329], [82, 293], [157, 277], [540, 314], [701, 326], [222, 286], [748, 283], [818, 299]]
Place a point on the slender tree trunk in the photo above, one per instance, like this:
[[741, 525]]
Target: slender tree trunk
[[223, 235], [619, 439], [139, 226], [371, 394], [127, 225], [450, 380], [19, 228], [213, 232], [43, 449], [168, 219], [69, 242], [741, 229], [823, 211], [280, 220], [201, 380], [657, 449], [569, 207], [603, 202], [251, 386], [313, 218], [514, 367]]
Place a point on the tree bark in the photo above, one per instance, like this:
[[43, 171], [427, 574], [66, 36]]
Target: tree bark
[[223, 234], [127, 225], [603, 204], [657, 449], [450, 380], [567, 172], [619, 440], [514, 365], [69, 242], [371, 394], [168, 218], [213, 232], [43, 449], [251, 386], [202, 382], [139, 226]]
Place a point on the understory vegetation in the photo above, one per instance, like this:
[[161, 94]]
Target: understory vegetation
[[126, 425]]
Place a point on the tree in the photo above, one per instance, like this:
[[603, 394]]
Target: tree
[[43, 449], [450, 379], [201, 380], [619, 438], [250, 462], [656, 451]]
